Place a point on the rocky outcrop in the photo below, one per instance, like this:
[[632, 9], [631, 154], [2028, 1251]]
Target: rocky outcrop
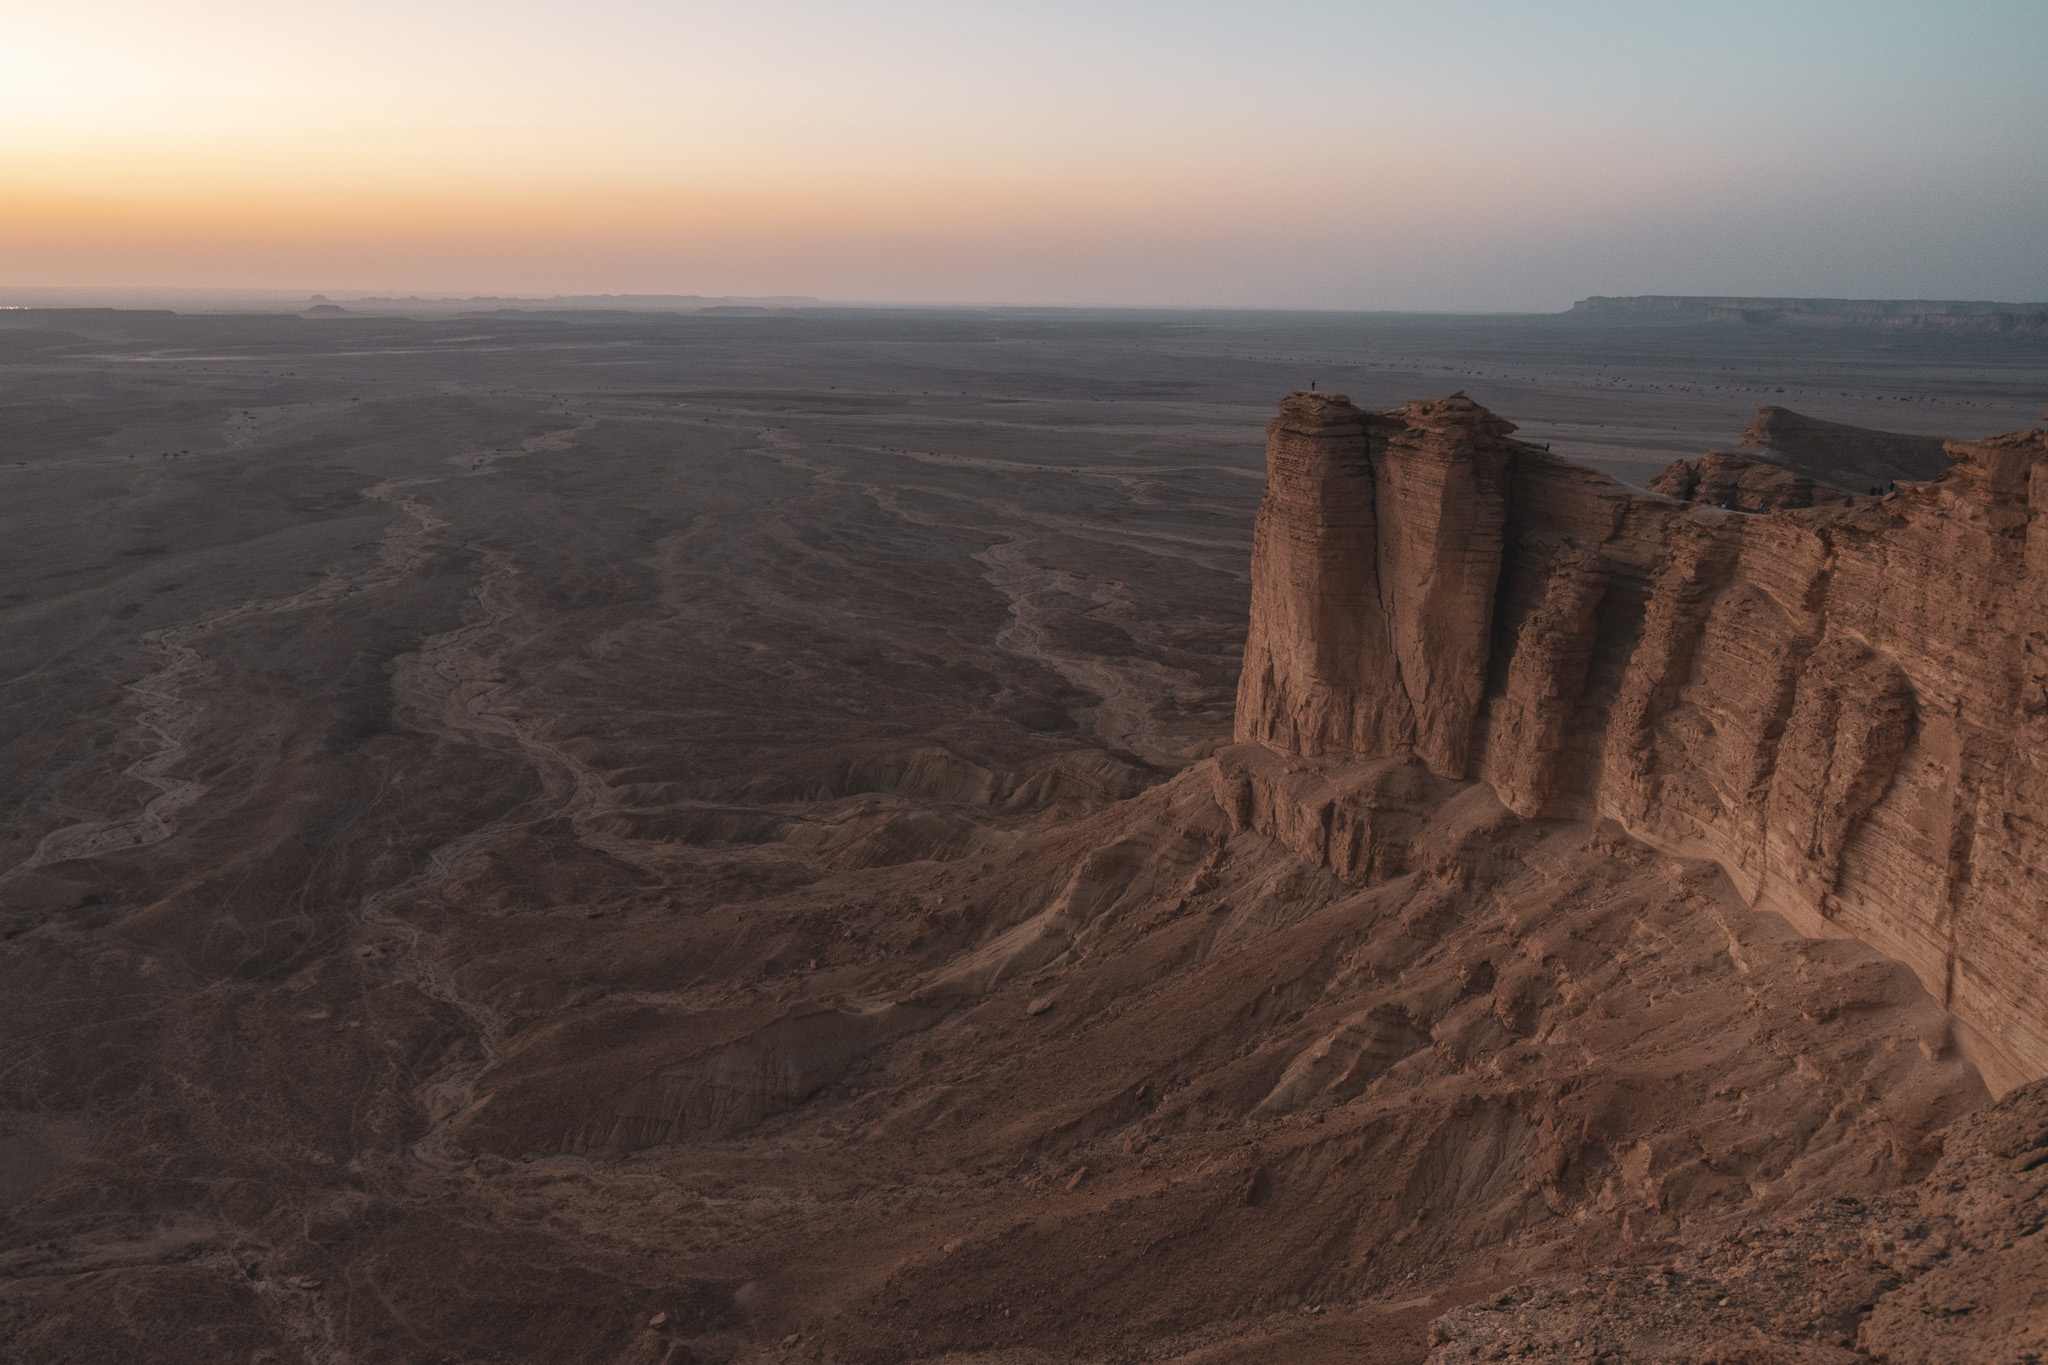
[[1744, 484], [1839, 454], [1533, 732], [1381, 549], [1787, 459], [1320, 675], [1842, 701]]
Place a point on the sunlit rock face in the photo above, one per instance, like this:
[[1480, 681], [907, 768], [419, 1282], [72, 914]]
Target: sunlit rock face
[[1378, 548], [1840, 701]]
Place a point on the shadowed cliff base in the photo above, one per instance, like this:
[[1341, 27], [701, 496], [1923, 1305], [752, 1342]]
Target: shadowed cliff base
[[520, 872]]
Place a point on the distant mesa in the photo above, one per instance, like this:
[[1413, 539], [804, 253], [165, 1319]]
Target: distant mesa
[[325, 310], [1919, 315]]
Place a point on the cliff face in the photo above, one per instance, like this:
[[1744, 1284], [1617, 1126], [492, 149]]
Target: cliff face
[[1380, 543], [1844, 705]]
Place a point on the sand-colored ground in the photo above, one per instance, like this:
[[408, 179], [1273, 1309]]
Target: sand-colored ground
[[517, 827]]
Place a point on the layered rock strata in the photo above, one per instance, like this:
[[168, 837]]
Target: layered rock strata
[[1844, 705], [1369, 627]]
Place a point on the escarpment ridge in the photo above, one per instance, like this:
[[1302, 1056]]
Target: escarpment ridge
[[1891, 315], [1844, 705]]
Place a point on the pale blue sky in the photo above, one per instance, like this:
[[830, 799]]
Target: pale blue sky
[[1402, 155]]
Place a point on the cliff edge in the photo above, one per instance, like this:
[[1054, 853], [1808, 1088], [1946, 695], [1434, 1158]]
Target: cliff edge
[[1844, 705]]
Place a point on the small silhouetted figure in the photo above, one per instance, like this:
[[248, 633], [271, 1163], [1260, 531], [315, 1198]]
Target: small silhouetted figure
[[1311, 386]]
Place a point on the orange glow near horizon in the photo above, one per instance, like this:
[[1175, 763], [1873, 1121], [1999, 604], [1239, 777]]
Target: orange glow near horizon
[[258, 208], [923, 151]]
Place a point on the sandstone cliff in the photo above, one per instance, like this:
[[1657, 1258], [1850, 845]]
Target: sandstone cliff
[[1369, 632], [1845, 706]]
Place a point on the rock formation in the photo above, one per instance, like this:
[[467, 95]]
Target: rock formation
[[1370, 633], [1839, 454], [1787, 459], [1842, 701], [1744, 484]]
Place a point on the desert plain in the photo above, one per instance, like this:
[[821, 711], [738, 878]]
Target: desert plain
[[517, 826]]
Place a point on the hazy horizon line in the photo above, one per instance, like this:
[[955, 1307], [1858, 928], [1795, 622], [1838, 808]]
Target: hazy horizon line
[[141, 295]]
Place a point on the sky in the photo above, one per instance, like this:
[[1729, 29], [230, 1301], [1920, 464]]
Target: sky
[[1451, 155]]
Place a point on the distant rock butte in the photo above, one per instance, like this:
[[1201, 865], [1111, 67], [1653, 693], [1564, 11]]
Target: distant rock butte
[[1768, 312], [1940, 320], [1790, 460], [1929, 315], [1842, 702], [1699, 303], [1839, 454]]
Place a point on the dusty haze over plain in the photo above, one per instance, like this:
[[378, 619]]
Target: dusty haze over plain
[[1464, 156]]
